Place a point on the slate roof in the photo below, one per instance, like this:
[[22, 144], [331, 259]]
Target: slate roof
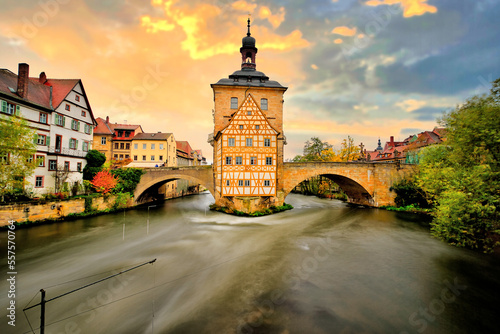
[[248, 77], [38, 94]]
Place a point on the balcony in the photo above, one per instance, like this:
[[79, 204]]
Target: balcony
[[67, 151]]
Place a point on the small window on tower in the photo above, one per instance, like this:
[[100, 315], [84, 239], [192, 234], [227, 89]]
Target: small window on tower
[[234, 103], [263, 104]]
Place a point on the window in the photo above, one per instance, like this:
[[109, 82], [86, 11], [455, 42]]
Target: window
[[249, 113], [241, 127], [152, 146], [79, 166], [234, 103], [263, 104], [59, 120], [77, 98], [75, 125], [161, 158], [228, 183], [249, 142], [135, 157], [103, 140], [39, 182], [116, 156], [120, 133], [42, 140], [269, 160], [87, 129], [152, 158], [247, 183], [67, 107], [43, 118], [136, 146], [230, 142], [229, 160], [127, 134], [9, 108], [161, 146], [239, 160], [5, 158], [52, 164], [253, 160], [73, 143], [127, 146], [267, 183], [40, 161], [122, 146], [267, 142], [66, 165], [116, 146], [30, 159], [240, 183], [85, 146], [84, 113], [121, 156], [143, 158], [144, 146], [257, 127], [127, 156]]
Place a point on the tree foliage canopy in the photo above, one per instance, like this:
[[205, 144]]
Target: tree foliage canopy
[[461, 176], [17, 147], [95, 160]]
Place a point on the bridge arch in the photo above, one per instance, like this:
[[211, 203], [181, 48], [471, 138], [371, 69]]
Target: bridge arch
[[364, 183], [355, 192], [154, 178]]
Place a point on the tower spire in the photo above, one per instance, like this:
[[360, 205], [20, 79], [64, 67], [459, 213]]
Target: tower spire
[[248, 50]]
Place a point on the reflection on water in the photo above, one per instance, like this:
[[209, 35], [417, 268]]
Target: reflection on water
[[323, 267]]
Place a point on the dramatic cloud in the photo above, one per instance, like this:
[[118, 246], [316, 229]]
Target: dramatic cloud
[[367, 69]]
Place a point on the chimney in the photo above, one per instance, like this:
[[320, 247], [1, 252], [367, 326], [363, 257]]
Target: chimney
[[392, 140], [23, 80], [42, 78], [107, 119]]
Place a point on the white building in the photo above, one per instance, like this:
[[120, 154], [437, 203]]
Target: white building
[[59, 111]]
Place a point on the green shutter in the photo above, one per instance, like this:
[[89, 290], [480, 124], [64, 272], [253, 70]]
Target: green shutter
[[18, 110], [48, 141], [78, 127], [69, 145], [4, 106], [64, 120], [35, 139], [76, 144]]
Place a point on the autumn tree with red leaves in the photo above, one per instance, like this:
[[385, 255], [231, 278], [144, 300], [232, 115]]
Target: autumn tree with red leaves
[[104, 182]]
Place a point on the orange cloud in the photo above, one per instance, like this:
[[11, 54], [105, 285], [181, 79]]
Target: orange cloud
[[314, 66], [344, 31], [411, 105], [275, 20], [154, 26], [244, 6], [410, 7], [338, 41]]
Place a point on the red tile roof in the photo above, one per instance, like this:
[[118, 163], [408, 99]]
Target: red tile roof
[[60, 89], [102, 128], [38, 93], [152, 136], [184, 147]]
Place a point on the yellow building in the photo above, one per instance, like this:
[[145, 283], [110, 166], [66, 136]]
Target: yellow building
[[103, 138], [248, 137], [153, 150]]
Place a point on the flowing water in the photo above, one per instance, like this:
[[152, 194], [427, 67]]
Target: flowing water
[[323, 267]]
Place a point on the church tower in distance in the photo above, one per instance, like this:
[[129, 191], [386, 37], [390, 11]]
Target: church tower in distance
[[248, 136]]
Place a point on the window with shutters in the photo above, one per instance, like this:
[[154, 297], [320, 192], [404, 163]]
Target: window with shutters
[[79, 166], [59, 120], [85, 146], [10, 108], [40, 161], [73, 143], [75, 125], [42, 140]]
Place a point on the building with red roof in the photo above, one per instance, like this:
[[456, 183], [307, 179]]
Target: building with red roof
[[60, 112]]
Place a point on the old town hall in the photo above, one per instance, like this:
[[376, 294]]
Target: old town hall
[[248, 136]]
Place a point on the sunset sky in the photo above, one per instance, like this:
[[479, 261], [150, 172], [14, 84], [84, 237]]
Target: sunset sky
[[364, 68]]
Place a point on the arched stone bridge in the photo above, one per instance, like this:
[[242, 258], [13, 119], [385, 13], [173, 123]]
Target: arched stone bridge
[[364, 183]]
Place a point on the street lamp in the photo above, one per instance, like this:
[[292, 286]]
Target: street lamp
[[151, 206]]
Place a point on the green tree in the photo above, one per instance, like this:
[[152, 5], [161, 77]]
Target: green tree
[[128, 179], [461, 176], [95, 160], [17, 147], [314, 149]]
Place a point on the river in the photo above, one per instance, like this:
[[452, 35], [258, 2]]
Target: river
[[323, 267]]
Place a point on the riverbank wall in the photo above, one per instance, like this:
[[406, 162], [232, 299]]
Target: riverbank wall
[[55, 210]]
